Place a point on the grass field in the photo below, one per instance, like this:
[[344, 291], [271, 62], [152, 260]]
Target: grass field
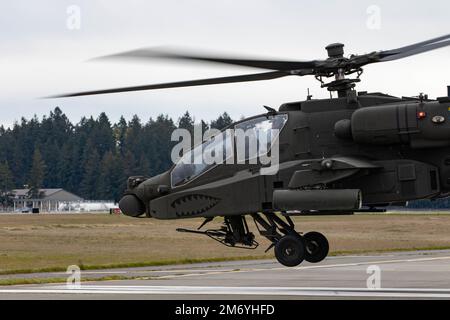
[[37, 242]]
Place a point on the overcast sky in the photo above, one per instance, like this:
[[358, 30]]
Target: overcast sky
[[44, 53]]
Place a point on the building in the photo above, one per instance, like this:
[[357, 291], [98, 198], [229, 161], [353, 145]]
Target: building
[[50, 200]]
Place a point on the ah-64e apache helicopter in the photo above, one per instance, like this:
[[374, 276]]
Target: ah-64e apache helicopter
[[359, 151]]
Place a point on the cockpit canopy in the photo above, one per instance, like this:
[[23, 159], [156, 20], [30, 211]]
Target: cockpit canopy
[[258, 135]]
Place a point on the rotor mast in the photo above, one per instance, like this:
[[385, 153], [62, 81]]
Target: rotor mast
[[340, 84]]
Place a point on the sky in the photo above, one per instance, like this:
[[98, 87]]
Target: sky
[[45, 45]]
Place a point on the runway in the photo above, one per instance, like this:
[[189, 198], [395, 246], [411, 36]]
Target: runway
[[404, 275]]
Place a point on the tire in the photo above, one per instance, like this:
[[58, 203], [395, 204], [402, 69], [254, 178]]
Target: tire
[[290, 250], [316, 247]]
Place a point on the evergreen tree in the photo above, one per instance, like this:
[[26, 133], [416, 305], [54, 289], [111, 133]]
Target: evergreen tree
[[107, 188], [157, 140], [222, 121], [133, 137], [64, 166], [6, 178], [120, 131], [186, 122], [89, 183], [103, 135], [6, 185], [37, 175]]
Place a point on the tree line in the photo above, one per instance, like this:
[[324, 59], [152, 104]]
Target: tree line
[[92, 158]]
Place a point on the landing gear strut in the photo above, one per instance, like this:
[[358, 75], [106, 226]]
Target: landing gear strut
[[233, 233], [291, 248]]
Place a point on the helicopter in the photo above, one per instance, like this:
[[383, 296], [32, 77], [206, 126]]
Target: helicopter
[[358, 152]]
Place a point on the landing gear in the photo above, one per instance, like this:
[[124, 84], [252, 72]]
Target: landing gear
[[291, 248], [316, 247]]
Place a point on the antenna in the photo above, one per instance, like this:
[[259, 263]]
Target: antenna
[[270, 110]]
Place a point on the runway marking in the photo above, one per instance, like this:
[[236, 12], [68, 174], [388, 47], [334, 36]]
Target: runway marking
[[373, 262], [140, 271], [95, 272], [263, 291], [340, 265], [185, 270], [200, 274]]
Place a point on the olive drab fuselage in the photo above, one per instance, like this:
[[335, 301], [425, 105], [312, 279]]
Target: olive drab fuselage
[[393, 150]]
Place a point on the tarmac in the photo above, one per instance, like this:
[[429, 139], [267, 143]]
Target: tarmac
[[398, 275]]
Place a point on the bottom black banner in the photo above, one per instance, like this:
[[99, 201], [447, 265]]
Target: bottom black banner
[[226, 309]]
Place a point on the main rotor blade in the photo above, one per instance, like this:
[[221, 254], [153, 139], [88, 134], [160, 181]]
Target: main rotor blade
[[148, 53], [190, 83], [416, 48]]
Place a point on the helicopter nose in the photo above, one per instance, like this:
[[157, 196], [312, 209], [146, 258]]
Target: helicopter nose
[[140, 191], [130, 205]]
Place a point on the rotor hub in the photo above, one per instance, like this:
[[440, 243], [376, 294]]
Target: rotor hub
[[335, 50]]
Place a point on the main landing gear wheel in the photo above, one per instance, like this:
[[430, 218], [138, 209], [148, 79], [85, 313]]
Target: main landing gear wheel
[[290, 250], [316, 245]]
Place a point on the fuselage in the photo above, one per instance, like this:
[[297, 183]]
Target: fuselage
[[406, 141]]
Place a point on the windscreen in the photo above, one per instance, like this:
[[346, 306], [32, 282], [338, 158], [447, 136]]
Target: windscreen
[[198, 160]]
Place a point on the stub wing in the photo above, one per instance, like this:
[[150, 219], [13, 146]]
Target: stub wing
[[324, 171]]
